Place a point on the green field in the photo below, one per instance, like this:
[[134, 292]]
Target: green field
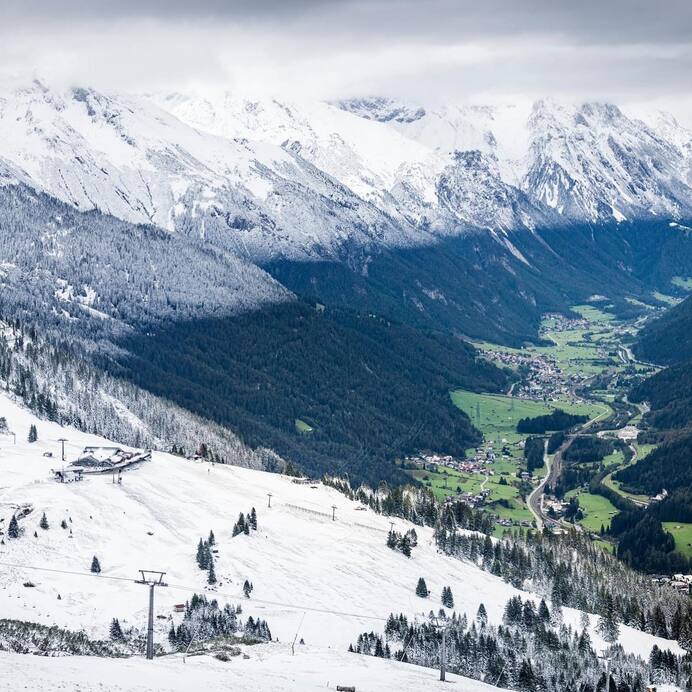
[[682, 533], [303, 427], [609, 482], [447, 481], [593, 314], [613, 459], [598, 511], [496, 415], [683, 282], [663, 298]]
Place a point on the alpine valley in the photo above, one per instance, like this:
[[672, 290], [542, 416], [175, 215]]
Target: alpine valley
[[408, 380]]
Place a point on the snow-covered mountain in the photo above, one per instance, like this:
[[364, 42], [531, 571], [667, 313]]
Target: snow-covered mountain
[[587, 162], [268, 179]]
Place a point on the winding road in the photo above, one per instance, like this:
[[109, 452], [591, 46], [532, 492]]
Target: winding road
[[535, 501]]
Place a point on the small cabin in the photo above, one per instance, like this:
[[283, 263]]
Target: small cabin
[[67, 475], [179, 608]]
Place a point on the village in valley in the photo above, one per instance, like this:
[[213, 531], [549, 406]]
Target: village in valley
[[579, 369]]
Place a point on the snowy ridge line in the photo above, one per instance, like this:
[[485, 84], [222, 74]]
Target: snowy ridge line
[[193, 589]]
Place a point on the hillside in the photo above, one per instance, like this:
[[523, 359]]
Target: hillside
[[326, 580], [668, 340], [667, 422], [370, 390]]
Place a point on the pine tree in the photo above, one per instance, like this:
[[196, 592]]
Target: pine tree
[[211, 576], [422, 588], [482, 615], [13, 529], [543, 612], [685, 638], [63, 524], [239, 526], [116, 632], [608, 623], [172, 636], [211, 540], [447, 597], [44, 522], [405, 545], [33, 433], [253, 519], [247, 588], [95, 565]]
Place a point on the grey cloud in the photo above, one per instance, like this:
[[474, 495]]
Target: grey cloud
[[620, 49]]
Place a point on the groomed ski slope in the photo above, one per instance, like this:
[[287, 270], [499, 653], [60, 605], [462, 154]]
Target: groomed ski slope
[[321, 580], [270, 668]]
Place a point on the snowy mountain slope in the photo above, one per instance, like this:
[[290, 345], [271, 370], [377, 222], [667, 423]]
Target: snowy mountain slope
[[587, 162], [379, 157], [328, 580], [367, 157], [124, 156], [96, 273], [308, 180], [270, 667]]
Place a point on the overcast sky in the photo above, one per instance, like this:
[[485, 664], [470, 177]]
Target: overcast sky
[[627, 51]]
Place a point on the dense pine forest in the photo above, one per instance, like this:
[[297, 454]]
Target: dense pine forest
[[642, 539], [329, 390]]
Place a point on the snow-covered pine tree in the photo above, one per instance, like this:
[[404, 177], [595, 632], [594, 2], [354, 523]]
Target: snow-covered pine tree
[[95, 565], [33, 433], [482, 615], [116, 632], [13, 529], [447, 597], [608, 626], [211, 576], [253, 519], [405, 545], [247, 588], [422, 588], [239, 526], [44, 522]]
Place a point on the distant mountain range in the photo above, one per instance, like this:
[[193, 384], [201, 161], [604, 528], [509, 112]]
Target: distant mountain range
[[472, 219], [270, 179]]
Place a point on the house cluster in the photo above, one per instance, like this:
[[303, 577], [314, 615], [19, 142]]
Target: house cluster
[[478, 463], [557, 322], [100, 460], [679, 582], [660, 497], [477, 500], [554, 508], [542, 377]]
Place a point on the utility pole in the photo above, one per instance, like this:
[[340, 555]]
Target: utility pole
[[62, 440], [152, 579], [443, 655], [269, 495], [333, 512], [441, 624]]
